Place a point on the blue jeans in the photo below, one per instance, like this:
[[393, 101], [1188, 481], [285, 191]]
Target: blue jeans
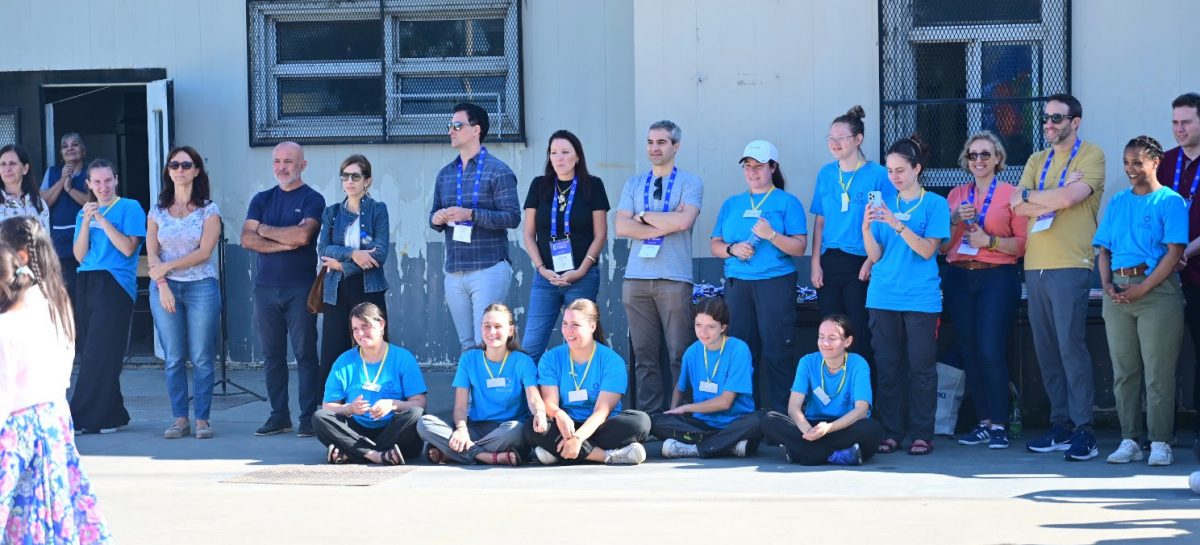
[[468, 293], [281, 312], [983, 304], [545, 302], [189, 333]]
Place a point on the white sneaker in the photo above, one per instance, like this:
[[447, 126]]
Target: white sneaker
[[629, 455], [546, 458], [1160, 454], [678, 449], [739, 449], [1129, 451]]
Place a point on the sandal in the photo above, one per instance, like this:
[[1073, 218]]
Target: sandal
[[392, 456], [514, 459], [335, 456], [920, 447], [435, 455], [887, 446]]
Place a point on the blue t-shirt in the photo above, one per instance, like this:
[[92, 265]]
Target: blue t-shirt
[[129, 218], [501, 403], [850, 384], [1138, 228], [400, 379], [902, 280], [785, 214], [279, 208], [843, 230], [731, 372], [607, 374]]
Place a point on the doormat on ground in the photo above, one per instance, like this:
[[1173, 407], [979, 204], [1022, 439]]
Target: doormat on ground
[[322, 475]]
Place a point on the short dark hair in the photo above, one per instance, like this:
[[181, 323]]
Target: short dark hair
[[912, 149], [713, 307], [1074, 108], [476, 115], [1187, 99]]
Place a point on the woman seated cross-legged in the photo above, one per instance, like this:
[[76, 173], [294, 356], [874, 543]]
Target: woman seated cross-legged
[[495, 391], [374, 397], [720, 420], [827, 420], [582, 383]]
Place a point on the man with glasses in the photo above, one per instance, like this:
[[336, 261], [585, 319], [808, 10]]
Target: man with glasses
[[474, 204], [1060, 193], [657, 211], [281, 226]]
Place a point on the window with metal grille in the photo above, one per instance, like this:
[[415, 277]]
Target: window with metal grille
[[365, 71], [951, 68], [9, 126]]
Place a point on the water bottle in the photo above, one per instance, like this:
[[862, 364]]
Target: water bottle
[[755, 239], [1014, 419]]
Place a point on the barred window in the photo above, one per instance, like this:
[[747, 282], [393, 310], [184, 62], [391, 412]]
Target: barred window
[[10, 128], [951, 68], [366, 71]]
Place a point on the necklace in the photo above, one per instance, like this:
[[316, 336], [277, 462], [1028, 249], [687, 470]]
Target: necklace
[[562, 195]]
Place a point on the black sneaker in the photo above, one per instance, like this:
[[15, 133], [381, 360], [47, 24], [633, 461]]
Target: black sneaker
[[274, 427], [306, 430]]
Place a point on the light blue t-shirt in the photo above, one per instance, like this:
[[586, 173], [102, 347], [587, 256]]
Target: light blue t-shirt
[[731, 371], [607, 374], [501, 403], [843, 230], [850, 384], [785, 214], [400, 379], [129, 218], [674, 259], [902, 280], [1138, 228]]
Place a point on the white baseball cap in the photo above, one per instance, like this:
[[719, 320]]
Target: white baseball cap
[[761, 151]]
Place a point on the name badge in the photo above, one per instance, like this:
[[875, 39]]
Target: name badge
[[650, 247], [371, 387], [820, 394], [902, 216], [708, 387], [560, 253], [966, 249], [1043, 222], [575, 396], [751, 213], [462, 233], [845, 202], [498, 382]]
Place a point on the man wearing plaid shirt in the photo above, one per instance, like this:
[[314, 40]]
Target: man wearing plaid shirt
[[474, 204]]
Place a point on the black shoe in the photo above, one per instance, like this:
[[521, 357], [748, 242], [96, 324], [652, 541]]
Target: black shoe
[[305, 431], [274, 427]]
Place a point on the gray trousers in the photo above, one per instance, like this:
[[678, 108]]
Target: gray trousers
[[488, 437], [1058, 301], [654, 308]]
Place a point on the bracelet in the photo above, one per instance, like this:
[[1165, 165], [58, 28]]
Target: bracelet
[[161, 281], [773, 235], [589, 256], [993, 242], [729, 250], [900, 229], [539, 267]]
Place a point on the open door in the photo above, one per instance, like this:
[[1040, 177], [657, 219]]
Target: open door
[[160, 121]]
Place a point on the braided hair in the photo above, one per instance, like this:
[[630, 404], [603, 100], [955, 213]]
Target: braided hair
[[44, 271], [1147, 144]]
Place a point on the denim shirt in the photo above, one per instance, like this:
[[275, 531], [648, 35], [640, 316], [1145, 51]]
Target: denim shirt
[[334, 221]]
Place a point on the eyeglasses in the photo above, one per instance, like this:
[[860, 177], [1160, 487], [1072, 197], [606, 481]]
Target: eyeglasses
[[985, 155], [356, 176], [1055, 118], [185, 165], [658, 188], [458, 125], [839, 139]]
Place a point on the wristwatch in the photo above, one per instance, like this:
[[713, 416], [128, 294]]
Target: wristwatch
[[1024, 195], [642, 216]]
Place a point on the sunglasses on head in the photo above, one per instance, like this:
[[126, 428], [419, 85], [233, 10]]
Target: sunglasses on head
[[458, 125], [985, 155], [185, 165], [356, 176], [1055, 118]]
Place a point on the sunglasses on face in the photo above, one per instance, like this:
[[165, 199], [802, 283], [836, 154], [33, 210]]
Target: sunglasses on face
[[457, 125], [185, 165], [1055, 118], [985, 155], [356, 176]]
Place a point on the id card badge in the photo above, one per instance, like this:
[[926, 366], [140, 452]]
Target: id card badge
[[575, 396], [371, 387], [708, 387], [845, 202], [752, 214], [1043, 222], [902, 216], [820, 394], [462, 232], [498, 382], [650, 247], [965, 247], [560, 254]]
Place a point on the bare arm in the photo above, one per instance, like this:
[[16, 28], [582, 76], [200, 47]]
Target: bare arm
[[713, 405], [859, 412], [83, 235], [417, 401], [796, 412], [126, 244], [462, 398], [294, 235], [599, 238], [533, 397], [681, 219], [253, 241], [529, 234], [629, 227], [604, 406]]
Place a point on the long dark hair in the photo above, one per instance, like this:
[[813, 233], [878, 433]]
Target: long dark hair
[[550, 177], [200, 191], [26, 233], [28, 185], [592, 313]]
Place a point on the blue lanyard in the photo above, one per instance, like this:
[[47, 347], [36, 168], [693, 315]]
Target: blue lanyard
[[566, 213], [987, 201], [1179, 172], [1045, 168], [478, 177], [666, 196]]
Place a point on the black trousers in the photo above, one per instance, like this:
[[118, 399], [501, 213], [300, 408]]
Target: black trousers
[[712, 442], [335, 327], [778, 427], [1191, 316], [356, 440], [844, 293], [763, 314], [102, 313], [69, 265], [905, 383], [619, 430]]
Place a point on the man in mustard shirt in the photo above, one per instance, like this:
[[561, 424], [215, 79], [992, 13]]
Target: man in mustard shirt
[[1060, 193]]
